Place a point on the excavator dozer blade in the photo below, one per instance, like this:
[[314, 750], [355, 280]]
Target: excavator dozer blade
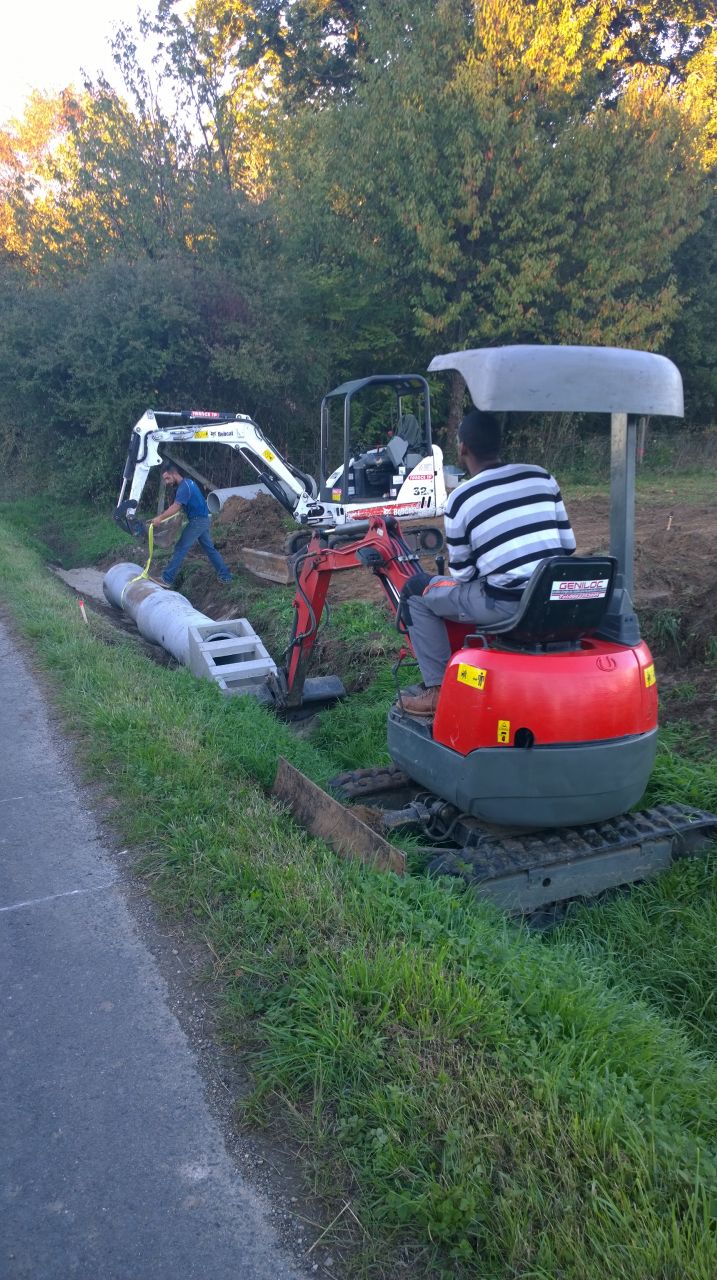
[[325, 817], [269, 565]]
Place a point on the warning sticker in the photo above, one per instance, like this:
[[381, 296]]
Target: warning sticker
[[335, 495], [200, 435], [474, 676], [650, 677], [504, 732], [593, 589], [268, 455]]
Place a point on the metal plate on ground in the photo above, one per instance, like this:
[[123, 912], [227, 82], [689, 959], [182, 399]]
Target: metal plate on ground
[[323, 816]]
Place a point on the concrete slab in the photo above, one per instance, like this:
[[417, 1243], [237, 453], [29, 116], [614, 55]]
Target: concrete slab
[[86, 582]]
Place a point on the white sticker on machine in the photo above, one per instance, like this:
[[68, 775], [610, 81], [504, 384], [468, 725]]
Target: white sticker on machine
[[589, 589]]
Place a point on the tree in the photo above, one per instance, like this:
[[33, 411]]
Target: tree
[[655, 34], [28, 150], [230, 103], [320, 45], [693, 344], [483, 176]]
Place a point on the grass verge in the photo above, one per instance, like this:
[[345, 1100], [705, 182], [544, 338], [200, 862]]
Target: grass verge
[[493, 1106], [65, 532]]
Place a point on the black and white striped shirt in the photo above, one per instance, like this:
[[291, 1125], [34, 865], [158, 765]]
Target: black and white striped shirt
[[502, 522]]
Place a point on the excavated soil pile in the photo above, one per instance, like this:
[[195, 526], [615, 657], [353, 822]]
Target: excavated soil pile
[[676, 596], [674, 545], [263, 524], [260, 523]]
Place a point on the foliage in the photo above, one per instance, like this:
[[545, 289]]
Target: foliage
[[229, 102], [693, 343], [79, 367], [510, 202], [28, 150], [320, 45], [286, 195]]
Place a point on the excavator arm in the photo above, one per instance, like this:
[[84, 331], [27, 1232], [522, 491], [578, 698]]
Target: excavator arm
[[379, 547], [294, 490]]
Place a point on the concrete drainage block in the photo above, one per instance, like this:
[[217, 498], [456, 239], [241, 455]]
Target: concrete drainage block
[[229, 653]]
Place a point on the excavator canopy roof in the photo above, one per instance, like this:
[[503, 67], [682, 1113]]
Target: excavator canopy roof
[[568, 379], [402, 383]]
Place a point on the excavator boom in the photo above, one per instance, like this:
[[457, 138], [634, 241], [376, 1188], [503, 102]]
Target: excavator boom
[[290, 487]]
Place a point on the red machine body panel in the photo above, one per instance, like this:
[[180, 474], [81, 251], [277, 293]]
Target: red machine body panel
[[595, 693]]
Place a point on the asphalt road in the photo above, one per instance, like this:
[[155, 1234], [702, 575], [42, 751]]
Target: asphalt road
[[111, 1164]]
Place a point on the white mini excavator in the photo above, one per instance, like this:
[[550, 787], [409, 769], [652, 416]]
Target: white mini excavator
[[398, 472]]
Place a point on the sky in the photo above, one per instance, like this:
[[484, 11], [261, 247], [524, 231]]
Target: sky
[[46, 43]]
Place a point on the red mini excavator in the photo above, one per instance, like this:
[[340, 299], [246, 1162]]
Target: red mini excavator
[[545, 731]]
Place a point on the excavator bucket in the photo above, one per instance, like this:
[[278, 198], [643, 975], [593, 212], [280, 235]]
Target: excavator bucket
[[124, 515], [325, 817]]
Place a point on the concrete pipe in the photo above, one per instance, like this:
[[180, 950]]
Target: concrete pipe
[[162, 616], [217, 497]]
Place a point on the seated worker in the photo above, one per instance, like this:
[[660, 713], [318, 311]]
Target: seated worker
[[190, 499], [499, 524]]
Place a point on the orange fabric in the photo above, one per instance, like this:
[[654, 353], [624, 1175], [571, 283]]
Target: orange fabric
[[439, 582]]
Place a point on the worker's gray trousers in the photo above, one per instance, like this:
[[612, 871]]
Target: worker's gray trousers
[[457, 601]]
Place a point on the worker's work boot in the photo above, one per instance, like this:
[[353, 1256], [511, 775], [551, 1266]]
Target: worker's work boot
[[421, 704]]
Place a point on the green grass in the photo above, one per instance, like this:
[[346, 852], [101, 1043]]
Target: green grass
[[685, 691], [658, 942], [353, 734], [685, 769], [66, 532], [493, 1104], [685, 487]]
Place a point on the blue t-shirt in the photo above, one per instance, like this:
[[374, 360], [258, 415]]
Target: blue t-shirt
[[190, 496]]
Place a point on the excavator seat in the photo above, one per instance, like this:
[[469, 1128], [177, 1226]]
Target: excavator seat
[[409, 429], [565, 599]]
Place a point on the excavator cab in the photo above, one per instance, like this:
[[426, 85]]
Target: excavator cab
[[376, 441]]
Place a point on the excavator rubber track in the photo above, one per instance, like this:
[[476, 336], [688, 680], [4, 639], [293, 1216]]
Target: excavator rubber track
[[528, 871]]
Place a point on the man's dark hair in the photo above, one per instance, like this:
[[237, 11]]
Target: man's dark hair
[[481, 434], [171, 466]]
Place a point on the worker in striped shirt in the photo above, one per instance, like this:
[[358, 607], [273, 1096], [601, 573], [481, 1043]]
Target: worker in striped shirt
[[500, 524]]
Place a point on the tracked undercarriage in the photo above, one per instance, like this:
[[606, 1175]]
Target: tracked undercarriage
[[525, 871]]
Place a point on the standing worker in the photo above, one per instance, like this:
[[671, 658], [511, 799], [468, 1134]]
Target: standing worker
[[500, 524], [190, 499]]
